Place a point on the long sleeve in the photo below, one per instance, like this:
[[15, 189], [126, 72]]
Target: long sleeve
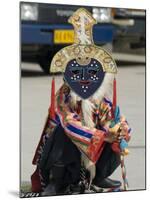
[[108, 123], [89, 141]]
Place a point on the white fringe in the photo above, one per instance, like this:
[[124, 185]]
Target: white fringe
[[105, 89], [87, 106], [89, 165], [87, 109]]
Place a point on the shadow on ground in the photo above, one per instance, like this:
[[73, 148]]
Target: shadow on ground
[[14, 193]]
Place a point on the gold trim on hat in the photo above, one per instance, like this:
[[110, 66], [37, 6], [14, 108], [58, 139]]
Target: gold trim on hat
[[83, 48]]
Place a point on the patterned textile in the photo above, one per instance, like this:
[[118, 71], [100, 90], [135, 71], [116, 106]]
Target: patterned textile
[[89, 140]]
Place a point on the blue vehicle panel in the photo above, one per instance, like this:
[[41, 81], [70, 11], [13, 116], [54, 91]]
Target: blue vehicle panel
[[43, 34]]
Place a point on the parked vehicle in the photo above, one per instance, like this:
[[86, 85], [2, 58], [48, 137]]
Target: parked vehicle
[[130, 30], [45, 29]]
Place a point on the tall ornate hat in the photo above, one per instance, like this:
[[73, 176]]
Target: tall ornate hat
[[83, 49]]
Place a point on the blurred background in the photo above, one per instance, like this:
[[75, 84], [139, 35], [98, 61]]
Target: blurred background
[[43, 31]]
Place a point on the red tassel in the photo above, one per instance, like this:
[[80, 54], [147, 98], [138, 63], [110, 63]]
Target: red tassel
[[52, 107], [114, 97]]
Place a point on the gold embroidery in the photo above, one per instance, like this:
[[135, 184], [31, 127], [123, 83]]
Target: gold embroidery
[[83, 48]]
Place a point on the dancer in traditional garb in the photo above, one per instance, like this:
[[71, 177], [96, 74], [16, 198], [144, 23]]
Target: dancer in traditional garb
[[84, 128]]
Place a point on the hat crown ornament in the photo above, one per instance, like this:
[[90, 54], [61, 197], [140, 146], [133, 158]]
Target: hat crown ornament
[[82, 22], [83, 49]]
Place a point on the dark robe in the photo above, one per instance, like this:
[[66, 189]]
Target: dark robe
[[61, 160]]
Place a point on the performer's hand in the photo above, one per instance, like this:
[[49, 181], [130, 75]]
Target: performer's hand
[[110, 137], [123, 132], [121, 135], [116, 133]]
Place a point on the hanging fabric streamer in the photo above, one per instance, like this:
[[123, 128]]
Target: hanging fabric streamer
[[114, 99], [123, 143], [52, 107]]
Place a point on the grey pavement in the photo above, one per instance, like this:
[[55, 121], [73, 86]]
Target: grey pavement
[[35, 100]]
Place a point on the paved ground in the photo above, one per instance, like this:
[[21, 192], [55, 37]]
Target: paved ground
[[35, 97]]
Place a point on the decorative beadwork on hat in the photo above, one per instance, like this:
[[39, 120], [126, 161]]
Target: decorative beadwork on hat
[[83, 48]]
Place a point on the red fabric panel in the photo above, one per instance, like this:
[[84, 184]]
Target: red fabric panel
[[36, 182]]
